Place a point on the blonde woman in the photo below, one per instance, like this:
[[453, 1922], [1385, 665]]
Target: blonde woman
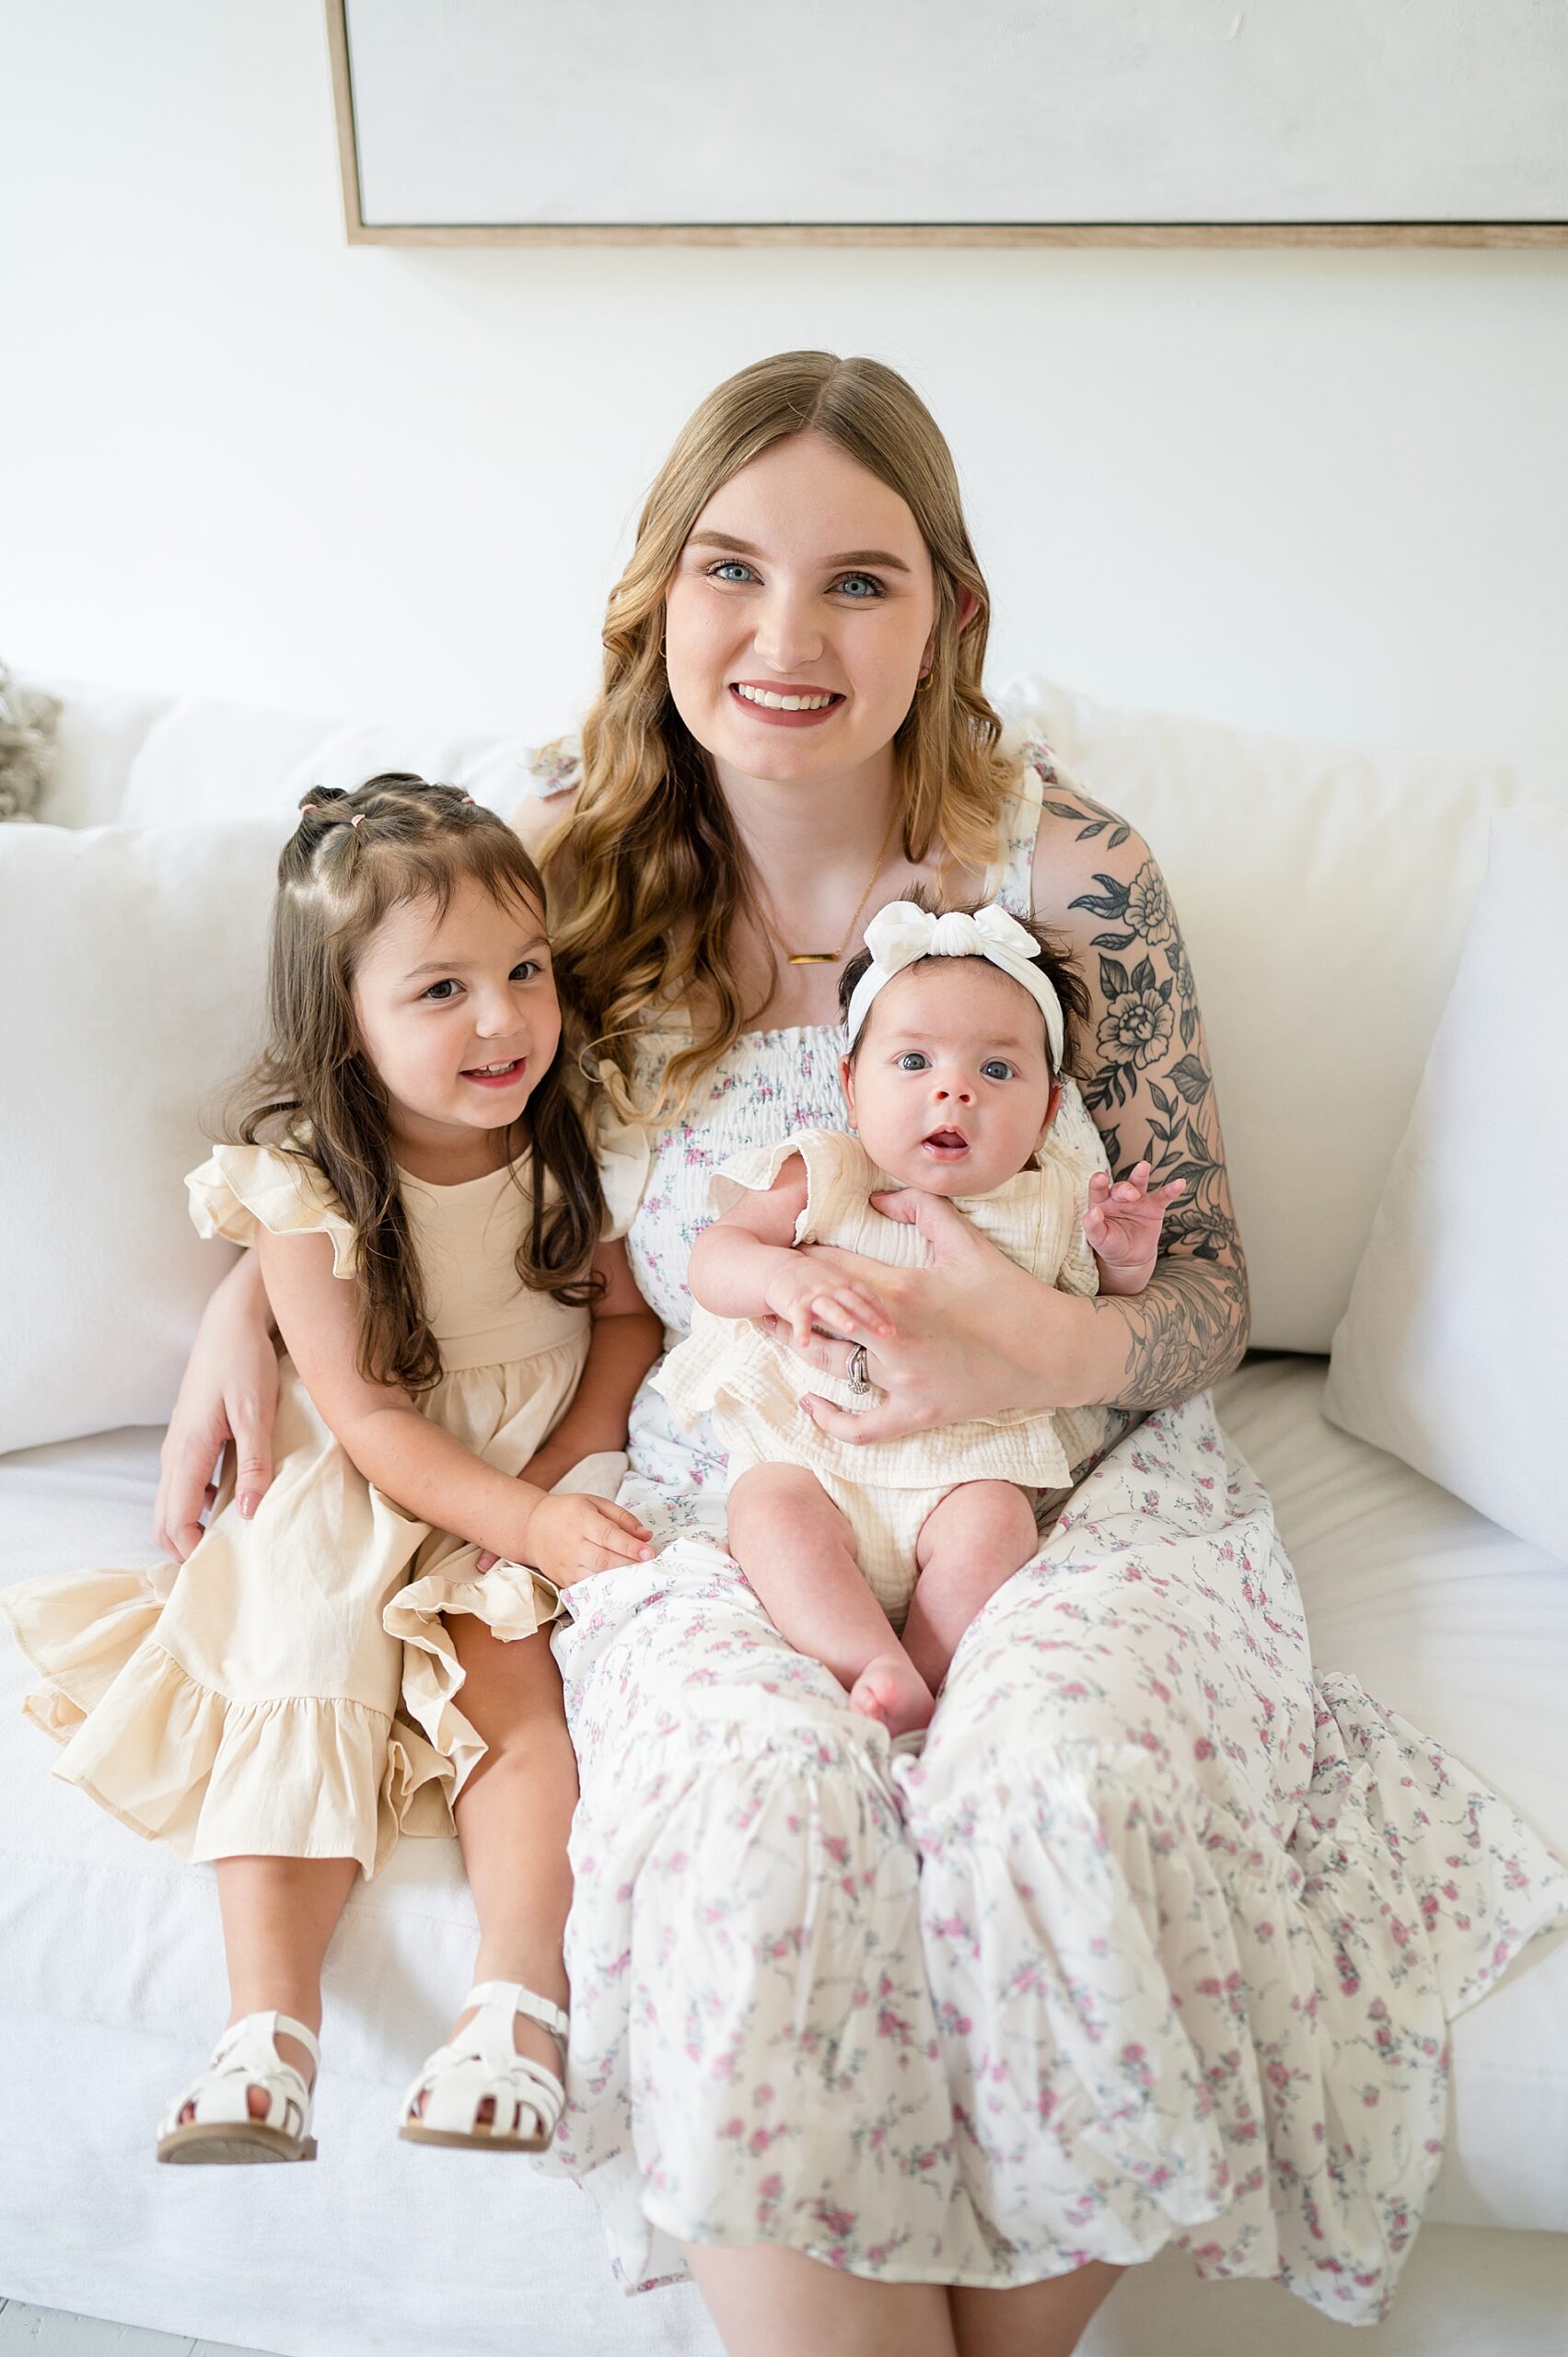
[[1155, 1940]]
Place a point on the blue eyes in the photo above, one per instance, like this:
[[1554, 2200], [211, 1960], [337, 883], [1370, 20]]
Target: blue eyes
[[916, 1060], [440, 993], [861, 588]]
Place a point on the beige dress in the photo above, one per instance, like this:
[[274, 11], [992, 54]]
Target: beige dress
[[291, 1690], [752, 1385]]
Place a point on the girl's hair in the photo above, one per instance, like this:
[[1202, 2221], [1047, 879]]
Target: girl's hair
[[1049, 955], [648, 874], [312, 1091]]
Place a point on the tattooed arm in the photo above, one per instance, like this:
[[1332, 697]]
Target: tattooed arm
[[1144, 1072]]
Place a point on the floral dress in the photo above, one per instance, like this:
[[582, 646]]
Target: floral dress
[[1156, 1940]]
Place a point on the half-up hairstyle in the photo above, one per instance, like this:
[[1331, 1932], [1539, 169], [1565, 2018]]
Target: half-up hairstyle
[[647, 877], [313, 1093]]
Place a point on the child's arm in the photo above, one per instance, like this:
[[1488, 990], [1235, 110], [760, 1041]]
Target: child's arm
[[746, 1265], [429, 1472], [625, 1340], [1123, 1227]]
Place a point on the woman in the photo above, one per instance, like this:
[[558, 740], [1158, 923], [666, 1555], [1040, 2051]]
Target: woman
[[1155, 1939]]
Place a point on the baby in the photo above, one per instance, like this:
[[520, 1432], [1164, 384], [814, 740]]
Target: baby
[[956, 1083]]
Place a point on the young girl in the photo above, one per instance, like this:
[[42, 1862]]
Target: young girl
[[956, 1086], [459, 1334]]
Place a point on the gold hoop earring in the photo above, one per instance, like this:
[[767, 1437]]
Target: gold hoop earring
[[923, 683]]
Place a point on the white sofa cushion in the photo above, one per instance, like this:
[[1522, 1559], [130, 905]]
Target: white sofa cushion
[[1324, 894], [1454, 1351], [202, 759], [131, 964]]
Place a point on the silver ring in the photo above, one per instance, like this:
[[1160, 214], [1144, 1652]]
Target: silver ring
[[855, 1374]]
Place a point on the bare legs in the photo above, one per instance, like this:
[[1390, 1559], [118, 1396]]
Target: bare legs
[[513, 1815], [279, 1915], [797, 1550], [769, 2302]]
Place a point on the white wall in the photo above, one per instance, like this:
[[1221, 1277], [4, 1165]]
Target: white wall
[[1314, 490]]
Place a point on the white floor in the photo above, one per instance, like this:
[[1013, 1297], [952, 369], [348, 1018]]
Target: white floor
[[46, 2332]]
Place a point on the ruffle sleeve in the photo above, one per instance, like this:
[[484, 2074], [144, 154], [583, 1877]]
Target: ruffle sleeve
[[839, 1175], [242, 1188], [624, 1154]]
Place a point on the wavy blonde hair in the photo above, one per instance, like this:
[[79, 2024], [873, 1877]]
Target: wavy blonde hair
[[647, 877]]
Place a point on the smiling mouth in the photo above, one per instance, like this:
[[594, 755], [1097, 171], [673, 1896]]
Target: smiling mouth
[[785, 699], [496, 1075]]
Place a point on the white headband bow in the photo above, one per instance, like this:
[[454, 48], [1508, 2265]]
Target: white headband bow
[[903, 932]]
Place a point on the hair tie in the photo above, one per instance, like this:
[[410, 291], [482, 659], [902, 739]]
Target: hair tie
[[903, 932], [357, 819]]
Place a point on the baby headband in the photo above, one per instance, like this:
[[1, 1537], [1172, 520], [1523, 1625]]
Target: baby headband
[[902, 932]]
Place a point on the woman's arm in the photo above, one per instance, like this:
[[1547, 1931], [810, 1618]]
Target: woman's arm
[[228, 1396], [429, 1472], [625, 1340], [1149, 1088]]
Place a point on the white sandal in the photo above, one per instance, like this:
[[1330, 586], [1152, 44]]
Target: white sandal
[[481, 2062], [246, 2056]]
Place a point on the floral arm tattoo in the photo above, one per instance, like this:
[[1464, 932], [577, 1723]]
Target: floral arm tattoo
[[1143, 1070]]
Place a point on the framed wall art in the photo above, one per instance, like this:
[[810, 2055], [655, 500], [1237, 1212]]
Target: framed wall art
[[989, 123]]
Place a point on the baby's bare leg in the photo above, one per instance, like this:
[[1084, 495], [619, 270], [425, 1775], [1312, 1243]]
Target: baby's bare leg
[[797, 1550], [970, 1544]]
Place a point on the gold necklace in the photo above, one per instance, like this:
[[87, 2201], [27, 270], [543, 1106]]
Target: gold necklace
[[829, 956]]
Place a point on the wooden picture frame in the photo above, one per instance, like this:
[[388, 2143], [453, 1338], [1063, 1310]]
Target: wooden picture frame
[[1487, 232]]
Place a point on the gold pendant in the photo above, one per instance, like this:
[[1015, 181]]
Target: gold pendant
[[813, 958]]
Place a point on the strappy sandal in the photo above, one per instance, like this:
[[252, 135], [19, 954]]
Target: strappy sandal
[[481, 2062], [246, 2056]]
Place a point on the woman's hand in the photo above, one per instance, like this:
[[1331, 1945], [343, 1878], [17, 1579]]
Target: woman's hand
[[940, 1355], [229, 1398]]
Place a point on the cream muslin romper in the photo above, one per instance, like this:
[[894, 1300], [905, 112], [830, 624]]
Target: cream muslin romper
[[289, 1690], [752, 1386]]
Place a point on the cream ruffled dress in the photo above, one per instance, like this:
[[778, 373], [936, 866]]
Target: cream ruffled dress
[[751, 1385], [290, 1689]]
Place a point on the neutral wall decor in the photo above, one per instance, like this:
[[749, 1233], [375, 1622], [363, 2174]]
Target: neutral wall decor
[[903, 121]]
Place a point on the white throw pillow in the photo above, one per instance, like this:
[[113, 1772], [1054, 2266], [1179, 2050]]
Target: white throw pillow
[[1324, 893], [1454, 1351], [131, 970]]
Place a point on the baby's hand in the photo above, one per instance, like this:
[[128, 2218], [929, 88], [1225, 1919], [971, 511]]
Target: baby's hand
[[1123, 1221], [570, 1538], [798, 1294]]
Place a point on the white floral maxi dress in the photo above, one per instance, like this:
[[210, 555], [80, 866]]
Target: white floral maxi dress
[[1156, 1940]]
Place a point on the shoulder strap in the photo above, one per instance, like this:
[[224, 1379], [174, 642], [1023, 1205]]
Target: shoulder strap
[[1010, 877]]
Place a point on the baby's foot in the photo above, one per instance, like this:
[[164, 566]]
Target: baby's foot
[[891, 1689]]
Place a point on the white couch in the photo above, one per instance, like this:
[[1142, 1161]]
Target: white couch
[[1283, 861]]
